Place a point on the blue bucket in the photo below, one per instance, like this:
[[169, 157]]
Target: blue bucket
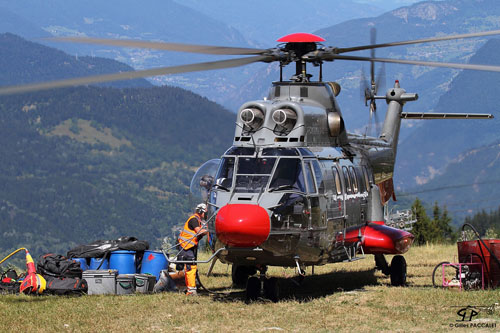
[[123, 261], [95, 262], [153, 262], [82, 262]]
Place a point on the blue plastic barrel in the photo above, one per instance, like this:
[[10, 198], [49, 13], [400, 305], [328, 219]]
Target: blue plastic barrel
[[82, 262], [153, 262], [95, 262], [123, 261]]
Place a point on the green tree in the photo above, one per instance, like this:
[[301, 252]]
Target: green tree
[[441, 222], [424, 230]]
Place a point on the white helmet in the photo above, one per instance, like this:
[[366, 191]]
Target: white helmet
[[201, 208]]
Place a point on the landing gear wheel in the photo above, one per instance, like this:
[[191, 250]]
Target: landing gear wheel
[[240, 274], [272, 289], [253, 289], [398, 271]]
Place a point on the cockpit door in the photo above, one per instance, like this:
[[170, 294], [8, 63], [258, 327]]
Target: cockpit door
[[316, 194]]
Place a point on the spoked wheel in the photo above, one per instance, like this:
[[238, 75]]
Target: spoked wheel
[[253, 289], [398, 271], [272, 289], [440, 273]]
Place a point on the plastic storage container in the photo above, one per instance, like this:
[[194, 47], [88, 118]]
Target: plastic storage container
[[125, 284], [153, 262], [96, 262], [100, 282], [123, 261], [144, 283], [82, 262]]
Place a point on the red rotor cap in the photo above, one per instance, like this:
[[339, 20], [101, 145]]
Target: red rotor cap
[[242, 225], [300, 37]]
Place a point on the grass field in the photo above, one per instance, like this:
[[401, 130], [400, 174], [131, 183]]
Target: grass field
[[338, 297]]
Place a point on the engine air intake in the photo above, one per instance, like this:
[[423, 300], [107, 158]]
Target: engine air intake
[[285, 120], [252, 118]]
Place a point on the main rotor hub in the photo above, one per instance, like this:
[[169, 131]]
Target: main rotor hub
[[300, 43]]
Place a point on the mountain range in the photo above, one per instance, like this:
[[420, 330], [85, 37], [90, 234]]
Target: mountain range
[[57, 147]]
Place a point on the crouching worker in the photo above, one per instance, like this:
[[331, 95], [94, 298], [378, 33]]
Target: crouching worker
[[193, 231]]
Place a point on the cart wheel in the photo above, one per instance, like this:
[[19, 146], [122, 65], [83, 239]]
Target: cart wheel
[[398, 271], [437, 274]]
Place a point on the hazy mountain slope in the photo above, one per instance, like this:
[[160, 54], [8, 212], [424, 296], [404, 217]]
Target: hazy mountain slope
[[266, 21], [427, 151], [161, 20], [11, 22], [22, 61], [468, 184]]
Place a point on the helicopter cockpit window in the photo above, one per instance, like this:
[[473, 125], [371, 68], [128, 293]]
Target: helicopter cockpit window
[[338, 185], [288, 176], [253, 174], [354, 180], [347, 181], [225, 175], [319, 176], [255, 166], [311, 187]]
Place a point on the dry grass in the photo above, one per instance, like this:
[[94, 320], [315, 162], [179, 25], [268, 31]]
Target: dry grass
[[339, 297]]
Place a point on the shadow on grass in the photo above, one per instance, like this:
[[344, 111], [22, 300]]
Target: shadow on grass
[[312, 287]]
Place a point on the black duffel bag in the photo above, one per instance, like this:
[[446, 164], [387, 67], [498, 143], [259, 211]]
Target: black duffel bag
[[65, 286], [56, 265]]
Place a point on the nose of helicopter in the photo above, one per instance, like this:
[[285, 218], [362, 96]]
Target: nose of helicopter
[[242, 225]]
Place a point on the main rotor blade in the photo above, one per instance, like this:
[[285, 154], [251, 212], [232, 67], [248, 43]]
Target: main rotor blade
[[204, 66], [204, 49], [423, 63], [417, 41]]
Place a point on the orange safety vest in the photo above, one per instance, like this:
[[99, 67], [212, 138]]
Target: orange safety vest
[[187, 238]]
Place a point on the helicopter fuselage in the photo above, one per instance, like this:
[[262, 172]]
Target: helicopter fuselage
[[292, 190]]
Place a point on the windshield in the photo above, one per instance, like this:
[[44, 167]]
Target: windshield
[[255, 166], [253, 174], [288, 176]]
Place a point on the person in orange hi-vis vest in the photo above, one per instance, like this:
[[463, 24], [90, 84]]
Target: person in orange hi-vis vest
[[190, 235]]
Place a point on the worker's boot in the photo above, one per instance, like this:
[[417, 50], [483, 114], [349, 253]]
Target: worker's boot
[[191, 291]]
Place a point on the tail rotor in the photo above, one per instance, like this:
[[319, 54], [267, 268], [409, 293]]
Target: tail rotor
[[369, 90]]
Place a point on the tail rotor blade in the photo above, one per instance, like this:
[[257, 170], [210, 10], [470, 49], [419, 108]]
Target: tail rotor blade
[[373, 40], [381, 79]]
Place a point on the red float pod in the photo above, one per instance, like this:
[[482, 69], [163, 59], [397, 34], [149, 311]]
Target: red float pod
[[380, 239], [242, 225]]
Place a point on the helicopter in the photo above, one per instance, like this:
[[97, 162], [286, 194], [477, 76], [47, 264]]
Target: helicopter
[[295, 188]]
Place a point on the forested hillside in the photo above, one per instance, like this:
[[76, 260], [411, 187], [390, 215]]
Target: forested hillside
[[88, 163]]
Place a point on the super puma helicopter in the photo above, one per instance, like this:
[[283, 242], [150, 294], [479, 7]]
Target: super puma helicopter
[[295, 189]]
